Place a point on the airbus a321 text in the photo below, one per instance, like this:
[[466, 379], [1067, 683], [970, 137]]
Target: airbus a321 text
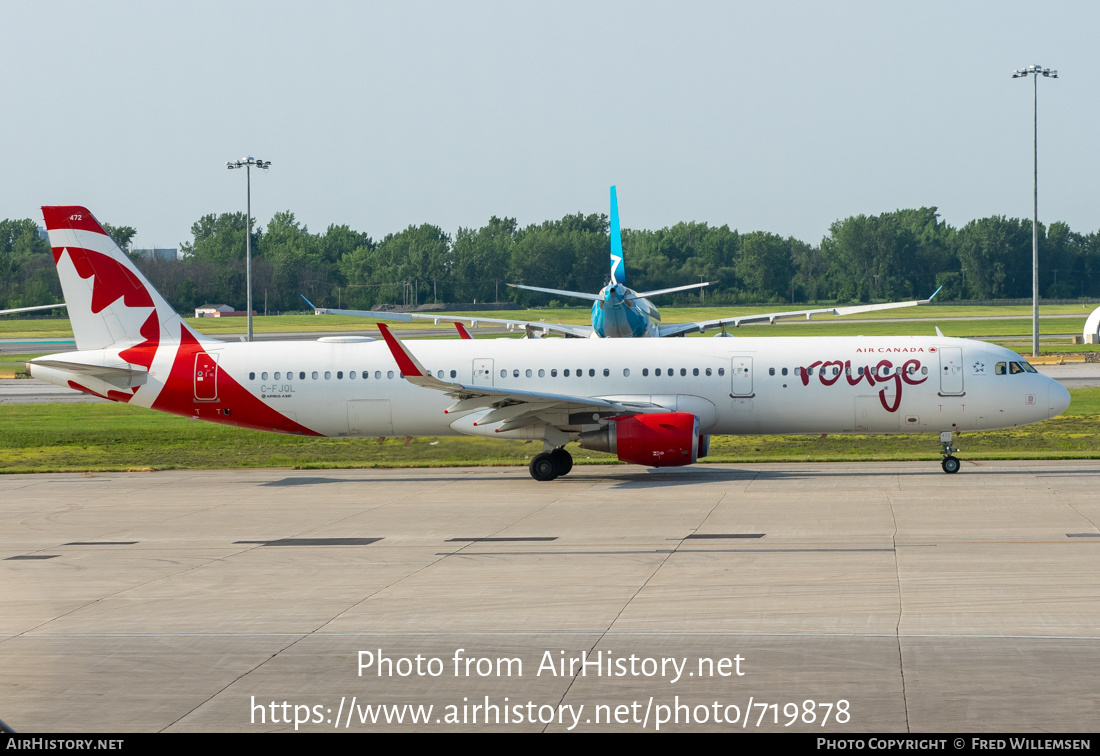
[[654, 406]]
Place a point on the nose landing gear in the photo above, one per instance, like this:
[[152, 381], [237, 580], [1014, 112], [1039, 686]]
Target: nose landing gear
[[950, 463]]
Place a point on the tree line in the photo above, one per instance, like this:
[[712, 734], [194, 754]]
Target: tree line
[[904, 254]]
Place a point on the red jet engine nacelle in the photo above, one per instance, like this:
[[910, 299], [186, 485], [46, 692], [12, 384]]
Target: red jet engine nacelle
[[669, 439]]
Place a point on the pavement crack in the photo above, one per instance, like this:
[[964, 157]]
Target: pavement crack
[[901, 611]]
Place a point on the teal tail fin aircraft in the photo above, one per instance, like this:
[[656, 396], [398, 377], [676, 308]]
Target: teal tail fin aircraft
[[617, 310]]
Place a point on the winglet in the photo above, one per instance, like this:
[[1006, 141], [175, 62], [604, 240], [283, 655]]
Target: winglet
[[462, 332], [410, 367], [937, 291], [618, 268]]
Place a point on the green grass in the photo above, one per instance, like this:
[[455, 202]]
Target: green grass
[[91, 437]]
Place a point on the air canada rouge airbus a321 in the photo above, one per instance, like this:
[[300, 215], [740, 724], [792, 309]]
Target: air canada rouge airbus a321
[[654, 403]]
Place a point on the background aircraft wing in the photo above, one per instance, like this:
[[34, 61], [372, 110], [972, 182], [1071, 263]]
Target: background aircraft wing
[[679, 329], [31, 309], [533, 328]]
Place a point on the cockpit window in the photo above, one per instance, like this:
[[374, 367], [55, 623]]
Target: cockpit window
[[1015, 367], [1000, 370], [1028, 368]]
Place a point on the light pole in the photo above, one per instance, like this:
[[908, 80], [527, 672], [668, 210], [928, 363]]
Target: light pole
[[1035, 71], [247, 163]]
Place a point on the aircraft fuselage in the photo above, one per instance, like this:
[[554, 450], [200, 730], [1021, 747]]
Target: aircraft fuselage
[[734, 386]]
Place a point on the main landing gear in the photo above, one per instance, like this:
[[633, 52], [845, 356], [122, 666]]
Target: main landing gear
[[551, 464], [951, 463]]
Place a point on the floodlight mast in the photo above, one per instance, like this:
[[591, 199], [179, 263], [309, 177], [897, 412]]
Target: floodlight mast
[[1035, 71], [248, 163]]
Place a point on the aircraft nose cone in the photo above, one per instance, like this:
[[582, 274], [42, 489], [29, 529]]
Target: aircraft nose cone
[[1059, 398]]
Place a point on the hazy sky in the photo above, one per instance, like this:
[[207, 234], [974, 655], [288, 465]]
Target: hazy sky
[[779, 116]]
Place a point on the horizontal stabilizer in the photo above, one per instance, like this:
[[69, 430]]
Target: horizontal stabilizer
[[559, 292], [121, 375]]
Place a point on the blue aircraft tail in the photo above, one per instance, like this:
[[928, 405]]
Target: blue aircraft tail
[[618, 268]]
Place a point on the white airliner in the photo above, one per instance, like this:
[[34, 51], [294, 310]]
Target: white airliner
[[618, 311], [655, 406]]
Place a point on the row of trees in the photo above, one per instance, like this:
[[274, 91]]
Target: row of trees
[[900, 255]]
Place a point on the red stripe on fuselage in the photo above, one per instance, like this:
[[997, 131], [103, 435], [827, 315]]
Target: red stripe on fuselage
[[243, 408]]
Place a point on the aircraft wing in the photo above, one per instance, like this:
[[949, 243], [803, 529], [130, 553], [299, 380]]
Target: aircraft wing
[[643, 294], [31, 309], [559, 292], [515, 407], [680, 329], [532, 328]]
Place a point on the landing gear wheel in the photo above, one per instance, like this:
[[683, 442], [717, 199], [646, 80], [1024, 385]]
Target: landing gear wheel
[[563, 461], [543, 467], [950, 464]]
